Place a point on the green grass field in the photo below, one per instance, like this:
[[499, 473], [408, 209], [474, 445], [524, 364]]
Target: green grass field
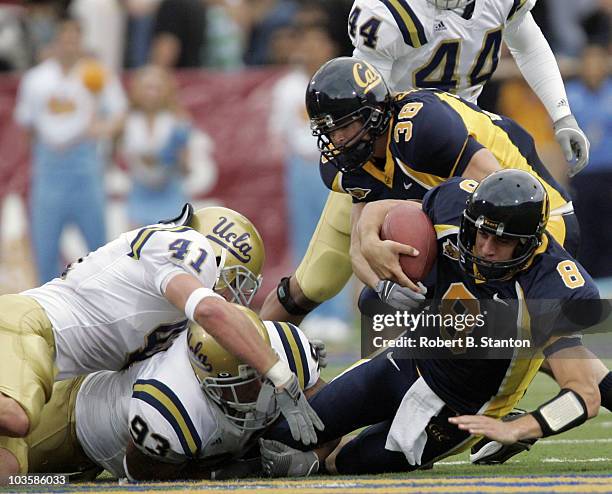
[[577, 461], [587, 449]]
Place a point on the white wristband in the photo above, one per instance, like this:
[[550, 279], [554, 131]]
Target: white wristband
[[195, 298], [279, 373]]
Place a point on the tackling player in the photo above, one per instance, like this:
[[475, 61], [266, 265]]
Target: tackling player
[[128, 300], [493, 248], [451, 45], [180, 414]]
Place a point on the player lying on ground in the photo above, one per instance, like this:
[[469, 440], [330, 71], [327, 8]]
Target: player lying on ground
[[142, 287], [377, 147], [185, 413], [496, 249]]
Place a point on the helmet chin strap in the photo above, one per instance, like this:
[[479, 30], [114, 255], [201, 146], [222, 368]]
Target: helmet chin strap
[[355, 157], [221, 262]]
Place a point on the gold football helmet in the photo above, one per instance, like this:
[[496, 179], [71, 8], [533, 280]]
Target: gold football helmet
[[230, 383], [239, 250]]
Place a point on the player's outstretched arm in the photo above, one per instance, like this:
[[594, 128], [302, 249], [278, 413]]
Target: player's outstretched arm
[[481, 165], [577, 369], [538, 65], [361, 266], [235, 332], [578, 401], [224, 322]]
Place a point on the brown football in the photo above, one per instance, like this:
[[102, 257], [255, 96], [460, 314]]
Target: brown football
[[408, 224]]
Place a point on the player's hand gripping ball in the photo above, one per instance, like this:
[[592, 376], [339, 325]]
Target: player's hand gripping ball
[[409, 225]]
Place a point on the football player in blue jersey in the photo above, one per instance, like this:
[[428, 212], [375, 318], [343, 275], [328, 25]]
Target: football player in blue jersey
[[451, 45], [378, 146], [493, 247], [375, 146]]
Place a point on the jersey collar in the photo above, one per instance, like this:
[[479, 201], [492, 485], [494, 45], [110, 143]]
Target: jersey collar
[[385, 176]]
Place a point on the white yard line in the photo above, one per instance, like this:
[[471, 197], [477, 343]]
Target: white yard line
[[565, 460], [575, 441]]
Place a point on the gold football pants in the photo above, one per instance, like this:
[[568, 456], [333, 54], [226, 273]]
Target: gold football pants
[[53, 446], [27, 353], [326, 266]]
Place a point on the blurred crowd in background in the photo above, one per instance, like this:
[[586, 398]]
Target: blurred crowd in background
[[232, 34], [141, 43]]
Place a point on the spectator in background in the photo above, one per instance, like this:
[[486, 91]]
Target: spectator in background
[[338, 12], [290, 127], [179, 33], [271, 22], [574, 22], [591, 100], [26, 32], [13, 50], [70, 105], [139, 31], [40, 22], [154, 145], [103, 24], [266, 18], [226, 25]]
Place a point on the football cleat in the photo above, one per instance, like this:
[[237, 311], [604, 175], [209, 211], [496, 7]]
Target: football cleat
[[488, 452]]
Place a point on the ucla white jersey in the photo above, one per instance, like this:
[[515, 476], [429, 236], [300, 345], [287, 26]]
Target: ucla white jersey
[[108, 309], [159, 403], [101, 411], [415, 45]]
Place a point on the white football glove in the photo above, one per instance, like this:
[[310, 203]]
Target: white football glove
[[400, 297], [573, 142], [279, 460], [319, 348], [301, 418]]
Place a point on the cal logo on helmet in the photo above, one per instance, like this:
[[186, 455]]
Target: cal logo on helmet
[[366, 76]]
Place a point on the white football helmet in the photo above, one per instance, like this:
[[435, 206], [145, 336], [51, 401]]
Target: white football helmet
[[450, 4]]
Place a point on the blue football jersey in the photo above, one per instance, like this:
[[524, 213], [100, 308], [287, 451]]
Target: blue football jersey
[[531, 305]]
